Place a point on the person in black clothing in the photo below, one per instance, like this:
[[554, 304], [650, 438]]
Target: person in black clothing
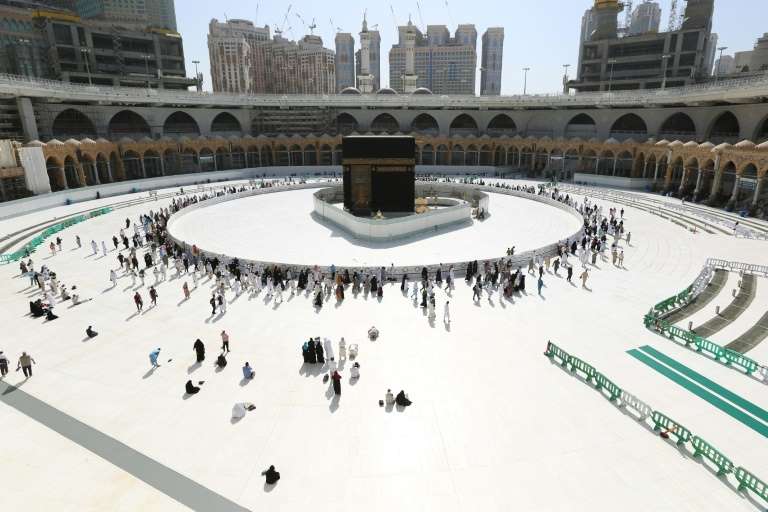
[[402, 400], [90, 332], [271, 475], [199, 350], [320, 353], [191, 388]]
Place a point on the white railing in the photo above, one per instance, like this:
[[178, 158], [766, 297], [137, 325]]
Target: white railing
[[748, 87], [736, 266]]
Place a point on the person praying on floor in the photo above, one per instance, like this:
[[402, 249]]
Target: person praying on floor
[[90, 332], [191, 388]]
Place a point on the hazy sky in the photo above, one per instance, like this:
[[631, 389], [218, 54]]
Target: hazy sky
[[540, 35]]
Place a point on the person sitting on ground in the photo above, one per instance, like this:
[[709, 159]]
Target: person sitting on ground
[[355, 371], [191, 388], [240, 408], [90, 332], [373, 333], [248, 372], [50, 316], [389, 398], [36, 308], [221, 361], [271, 475], [402, 399]]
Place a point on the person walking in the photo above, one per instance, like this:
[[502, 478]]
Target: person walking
[[540, 284], [113, 277], [103, 248], [153, 358], [139, 301], [629, 237], [3, 365], [224, 341], [621, 258], [94, 247], [447, 312], [185, 289], [570, 273], [153, 295], [25, 364], [78, 241], [584, 276], [212, 302]]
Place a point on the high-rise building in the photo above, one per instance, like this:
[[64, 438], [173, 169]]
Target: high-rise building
[[754, 60], [645, 18], [155, 13], [443, 64], [345, 61], [23, 47], [233, 56], [646, 61], [709, 53], [491, 61], [725, 65], [303, 67], [245, 60], [368, 60]]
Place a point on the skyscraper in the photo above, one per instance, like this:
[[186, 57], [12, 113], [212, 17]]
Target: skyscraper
[[233, 56], [155, 13], [245, 60], [645, 18], [491, 62], [369, 60], [345, 61], [443, 64]]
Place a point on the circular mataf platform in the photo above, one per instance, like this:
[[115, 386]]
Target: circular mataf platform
[[280, 227]]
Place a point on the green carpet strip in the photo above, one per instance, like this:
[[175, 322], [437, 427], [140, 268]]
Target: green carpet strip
[[712, 386], [702, 393]]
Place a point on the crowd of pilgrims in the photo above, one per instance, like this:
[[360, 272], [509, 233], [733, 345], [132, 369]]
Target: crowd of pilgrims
[[322, 284]]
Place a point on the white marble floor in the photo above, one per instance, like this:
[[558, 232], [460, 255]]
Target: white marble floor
[[279, 227], [494, 425]]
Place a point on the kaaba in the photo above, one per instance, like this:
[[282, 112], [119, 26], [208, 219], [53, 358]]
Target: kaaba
[[379, 174]]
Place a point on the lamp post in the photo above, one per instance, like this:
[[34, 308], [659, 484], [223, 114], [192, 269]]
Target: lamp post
[[565, 78], [719, 62], [664, 69], [197, 74], [84, 52], [525, 80]]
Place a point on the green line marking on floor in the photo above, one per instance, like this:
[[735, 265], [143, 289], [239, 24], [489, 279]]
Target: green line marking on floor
[[702, 393], [711, 385]]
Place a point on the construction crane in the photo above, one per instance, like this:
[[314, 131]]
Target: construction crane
[[394, 20], [256, 18], [279, 31], [421, 19], [672, 26], [628, 14], [312, 27]]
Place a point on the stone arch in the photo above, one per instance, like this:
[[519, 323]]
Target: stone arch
[[690, 174], [463, 125], [282, 157], [581, 125], [606, 162], [427, 155], [180, 123], [425, 124], [132, 162], [295, 155], [346, 124], [704, 184], [88, 165], [457, 155], [71, 173], [500, 156], [267, 158], [678, 126], [675, 178], [207, 159], [73, 124], [310, 154], [385, 123], [171, 161], [441, 155], [629, 126], [500, 125], [727, 183], [189, 161], [337, 154], [588, 163], [238, 157], [223, 159], [128, 123], [226, 124], [56, 174], [472, 155], [486, 155], [326, 155], [153, 164], [724, 128], [102, 168]]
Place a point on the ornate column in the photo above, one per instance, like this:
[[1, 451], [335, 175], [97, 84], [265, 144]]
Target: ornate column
[[697, 190], [735, 193], [668, 177], [716, 181], [656, 172], [143, 168], [615, 161]]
